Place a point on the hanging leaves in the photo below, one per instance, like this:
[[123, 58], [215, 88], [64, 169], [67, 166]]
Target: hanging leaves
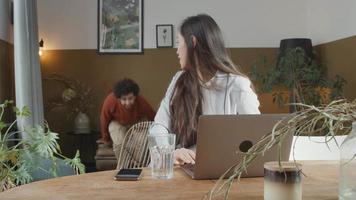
[[18, 161]]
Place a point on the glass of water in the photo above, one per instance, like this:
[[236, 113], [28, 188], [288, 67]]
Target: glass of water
[[161, 148]]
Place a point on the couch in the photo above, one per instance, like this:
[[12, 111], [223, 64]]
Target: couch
[[105, 158]]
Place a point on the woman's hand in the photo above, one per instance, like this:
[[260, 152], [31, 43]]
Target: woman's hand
[[183, 156]]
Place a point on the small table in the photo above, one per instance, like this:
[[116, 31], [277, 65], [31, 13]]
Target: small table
[[86, 144], [321, 184]]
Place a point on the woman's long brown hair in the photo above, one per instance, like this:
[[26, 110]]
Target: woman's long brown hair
[[208, 56]]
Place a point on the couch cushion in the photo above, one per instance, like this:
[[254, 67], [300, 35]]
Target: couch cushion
[[105, 151], [102, 165], [105, 158]]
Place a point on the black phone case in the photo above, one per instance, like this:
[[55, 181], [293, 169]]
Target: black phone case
[[127, 177]]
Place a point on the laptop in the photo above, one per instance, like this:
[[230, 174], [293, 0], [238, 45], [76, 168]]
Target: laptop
[[220, 137]]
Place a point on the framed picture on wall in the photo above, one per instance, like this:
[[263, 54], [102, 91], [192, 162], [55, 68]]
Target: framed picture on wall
[[164, 35], [120, 26]]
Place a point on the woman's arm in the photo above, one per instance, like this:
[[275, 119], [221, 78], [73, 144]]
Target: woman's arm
[[248, 103], [245, 98]]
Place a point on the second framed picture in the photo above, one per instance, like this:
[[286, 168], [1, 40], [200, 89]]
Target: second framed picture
[[164, 36]]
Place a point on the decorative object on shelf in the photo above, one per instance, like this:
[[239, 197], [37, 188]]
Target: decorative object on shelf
[[327, 121], [299, 72], [164, 36], [19, 161], [120, 26], [283, 181], [347, 183], [82, 123], [77, 98]]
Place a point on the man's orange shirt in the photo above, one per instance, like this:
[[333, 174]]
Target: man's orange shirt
[[113, 110]]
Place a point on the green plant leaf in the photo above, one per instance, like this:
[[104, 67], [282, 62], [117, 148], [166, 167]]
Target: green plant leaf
[[21, 175], [24, 112], [2, 126], [3, 153], [19, 161], [76, 164], [48, 145]]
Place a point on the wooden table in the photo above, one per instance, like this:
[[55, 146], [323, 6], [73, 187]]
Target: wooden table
[[321, 184]]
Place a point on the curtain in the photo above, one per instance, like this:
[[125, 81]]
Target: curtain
[[28, 83]]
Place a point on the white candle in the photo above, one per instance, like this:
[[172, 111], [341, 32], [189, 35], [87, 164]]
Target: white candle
[[282, 182]]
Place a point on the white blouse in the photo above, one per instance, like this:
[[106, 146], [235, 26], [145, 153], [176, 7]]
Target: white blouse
[[224, 94]]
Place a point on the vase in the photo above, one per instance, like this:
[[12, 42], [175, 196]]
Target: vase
[[347, 182], [82, 124], [282, 182]]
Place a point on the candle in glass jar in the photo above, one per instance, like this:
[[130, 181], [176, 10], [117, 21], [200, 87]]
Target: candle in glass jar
[[282, 182]]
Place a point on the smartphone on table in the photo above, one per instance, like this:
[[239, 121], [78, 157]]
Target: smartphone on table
[[128, 175]]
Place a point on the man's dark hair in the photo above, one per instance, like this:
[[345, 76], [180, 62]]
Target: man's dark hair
[[125, 87]]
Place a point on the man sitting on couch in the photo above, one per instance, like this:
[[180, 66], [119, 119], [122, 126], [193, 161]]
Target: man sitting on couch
[[121, 109]]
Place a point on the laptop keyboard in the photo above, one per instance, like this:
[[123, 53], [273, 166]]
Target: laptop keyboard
[[189, 167]]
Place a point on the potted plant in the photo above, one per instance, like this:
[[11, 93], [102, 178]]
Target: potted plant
[[19, 161], [76, 97], [328, 121], [304, 79]]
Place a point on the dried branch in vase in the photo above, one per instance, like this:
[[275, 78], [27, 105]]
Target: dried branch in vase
[[329, 121], [77, 96]]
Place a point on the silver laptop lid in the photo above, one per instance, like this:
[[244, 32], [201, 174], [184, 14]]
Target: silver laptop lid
[[220, 137]]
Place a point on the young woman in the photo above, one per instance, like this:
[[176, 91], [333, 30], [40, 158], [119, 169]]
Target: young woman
[[209, 83]]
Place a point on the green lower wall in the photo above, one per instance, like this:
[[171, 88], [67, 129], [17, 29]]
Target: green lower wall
[[153, 71], [7, 85], [340, 58]]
